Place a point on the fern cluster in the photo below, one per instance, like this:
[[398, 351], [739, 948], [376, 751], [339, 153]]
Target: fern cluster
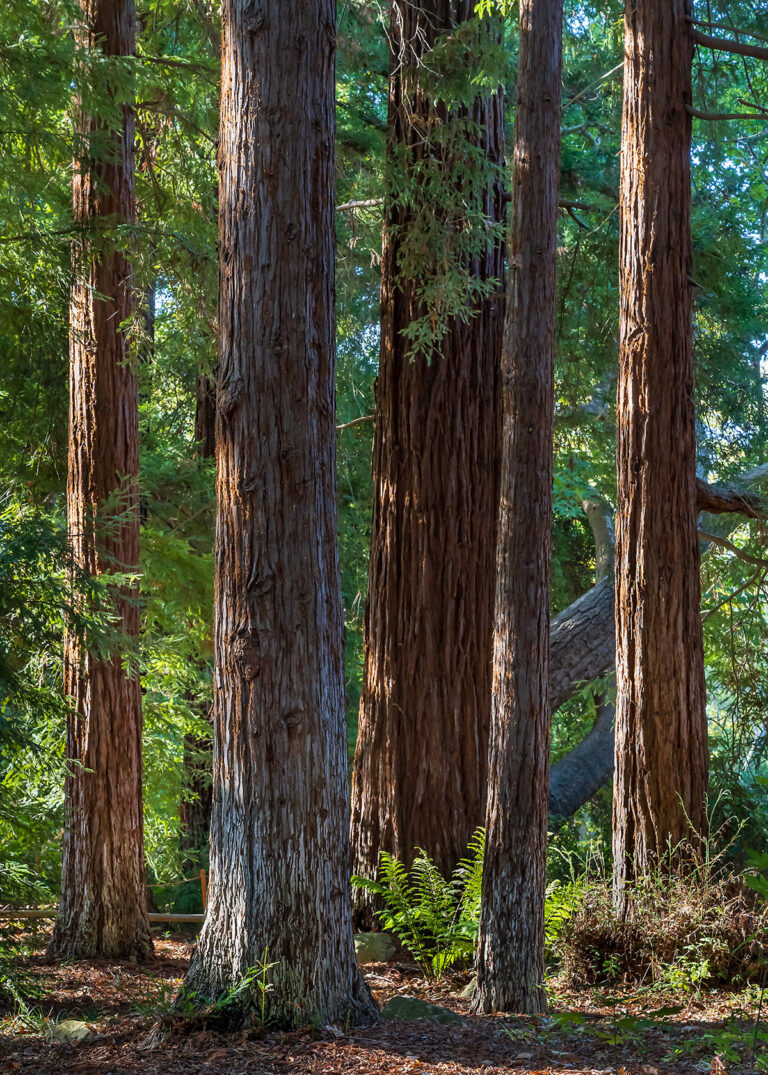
[[434, 918], [437, 920]]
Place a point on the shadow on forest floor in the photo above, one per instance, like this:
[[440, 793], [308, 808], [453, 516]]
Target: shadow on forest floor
[[586, 1031]]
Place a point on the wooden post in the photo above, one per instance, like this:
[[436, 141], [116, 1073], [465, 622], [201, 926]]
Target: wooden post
[[204, 887]]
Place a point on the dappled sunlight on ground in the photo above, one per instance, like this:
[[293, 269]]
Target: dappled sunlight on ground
[[630, 1031]]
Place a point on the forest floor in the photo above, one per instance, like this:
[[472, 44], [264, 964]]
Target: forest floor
[[630, 1032]]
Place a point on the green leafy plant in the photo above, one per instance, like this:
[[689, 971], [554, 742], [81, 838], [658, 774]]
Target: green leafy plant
[[434, 918], [562, 901], [256, 980], [735, 1043], [437, 919], [693, 923], [18, 988], [244, 1002]]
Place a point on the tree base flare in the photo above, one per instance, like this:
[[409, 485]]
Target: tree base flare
[[83, 937], [528, 1000], [284, 1002]]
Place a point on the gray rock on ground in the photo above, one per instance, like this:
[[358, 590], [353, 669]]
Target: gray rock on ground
[[409, 1008], [70, 1031], [374, 947]]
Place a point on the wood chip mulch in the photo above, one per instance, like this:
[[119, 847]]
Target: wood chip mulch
[[586, 1034]]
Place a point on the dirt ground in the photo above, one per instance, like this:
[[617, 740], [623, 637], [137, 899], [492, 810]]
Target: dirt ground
[[638, 1032]]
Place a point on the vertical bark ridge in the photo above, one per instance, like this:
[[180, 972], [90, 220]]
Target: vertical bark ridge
[[102, 908], [511, 941], [419, 770], [279, 885], [661, 730]]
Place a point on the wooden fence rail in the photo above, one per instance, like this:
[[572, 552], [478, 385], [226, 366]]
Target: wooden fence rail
[[15, 915], [36, 912]]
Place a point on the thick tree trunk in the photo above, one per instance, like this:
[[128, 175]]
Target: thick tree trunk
[[661, 768], [583, 636], [510, 961], [583, 643], [205, 416], [279, 835], [419, 770], [583, 648], [102, 907]]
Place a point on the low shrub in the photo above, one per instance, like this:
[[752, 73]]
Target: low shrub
[[681, 933]]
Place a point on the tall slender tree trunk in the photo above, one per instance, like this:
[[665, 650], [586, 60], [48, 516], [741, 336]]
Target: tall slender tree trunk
[[419, 771], [279, 887], [510, 966], [197, 791], [102, 907], [205, 416], [196, 800], [661, 766]]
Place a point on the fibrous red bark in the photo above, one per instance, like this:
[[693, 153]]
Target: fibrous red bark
[[279, 887], [419, 771], [660, 779], [102, 907], [510, 961]]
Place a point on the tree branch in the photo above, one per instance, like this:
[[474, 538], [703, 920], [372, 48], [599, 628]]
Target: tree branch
[[602, 78], [576, 777], [734, 593], [714, 117], [722, 44], [209, 73], [356, 421], [725, 544], [721, 499], [366, 203], [565, 204], [726, 26]]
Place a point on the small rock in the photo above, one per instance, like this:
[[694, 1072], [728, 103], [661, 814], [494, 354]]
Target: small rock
[[410, 1008], [70, 1031], [374, 947], [469, 989]]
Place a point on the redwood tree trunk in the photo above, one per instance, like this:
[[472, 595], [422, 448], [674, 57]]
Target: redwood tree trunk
[[205, 416], [510, 964], [102, 908], [196, 801], [420, 760], [661, 728], [279, 887], [197, 792]]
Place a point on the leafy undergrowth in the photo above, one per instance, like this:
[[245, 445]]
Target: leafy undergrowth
[[630, 1031], [681, 935]]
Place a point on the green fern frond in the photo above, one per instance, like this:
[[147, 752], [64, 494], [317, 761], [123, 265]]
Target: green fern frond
[[436, 919]]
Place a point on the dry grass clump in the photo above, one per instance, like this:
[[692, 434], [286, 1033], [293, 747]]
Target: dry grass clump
[[682, 932]]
